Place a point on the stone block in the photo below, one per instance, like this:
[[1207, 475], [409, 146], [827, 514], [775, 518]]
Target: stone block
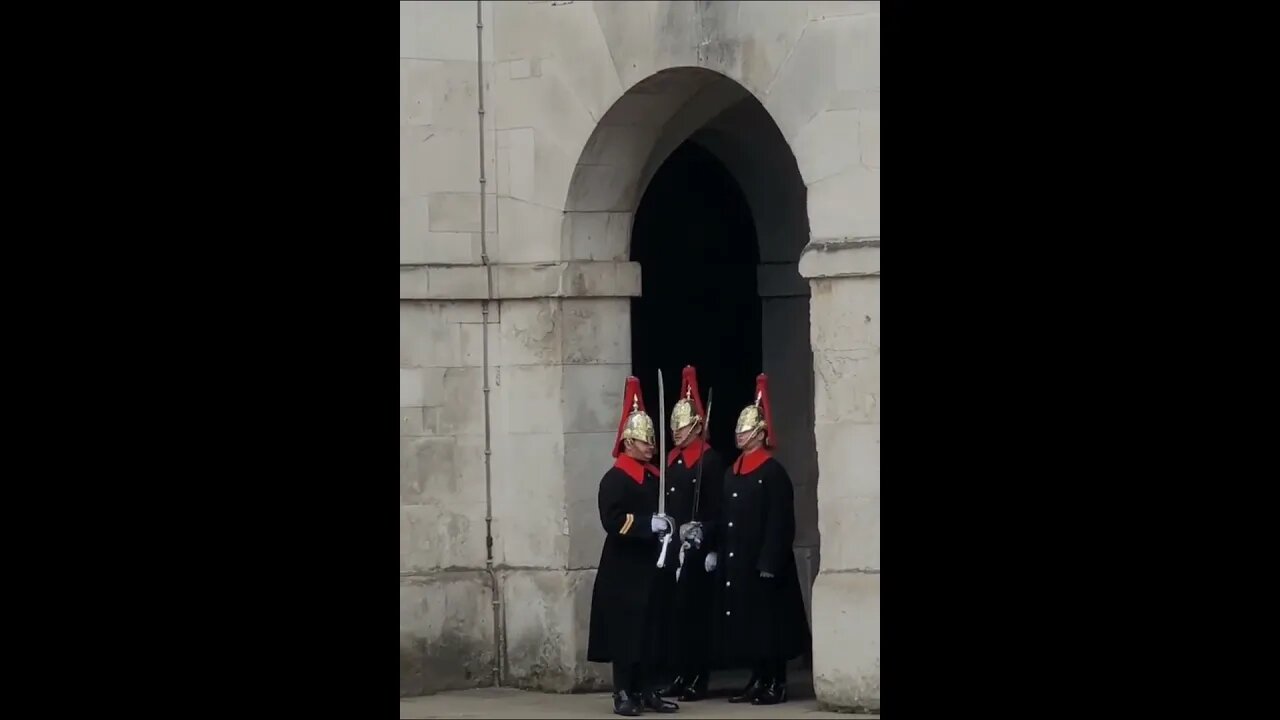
[[462, 412], [443, 470], [428, 248], [828, 145], [601, 188], [443, 95], [441, 535], [869, 138], [440, 160], [539, 615], [547, 103], [854, 448], [531, 332], [444, 30], [858, 53], [596, 330], [469, 312], [528, 499], [530, 398], [850, 528], [847, 385], [421, 387], [516, 163], [846, 204], [591, 397], [597, 236], [446, 633], [426, 338], [846, 314], [846, 653], [749, 41], [460, 212], [412, 422], [645, 37], [601, 279], [587, 456], [530, 233], [803, 84], [473, 345]]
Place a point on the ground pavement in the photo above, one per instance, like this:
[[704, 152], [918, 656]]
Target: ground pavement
[[510, 703]]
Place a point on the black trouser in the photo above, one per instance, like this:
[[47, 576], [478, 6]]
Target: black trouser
[[629, 677], [771, 670]]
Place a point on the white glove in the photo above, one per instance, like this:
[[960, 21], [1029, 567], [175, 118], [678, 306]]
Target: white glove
[[691, 532], [660, 524], [710, 563]]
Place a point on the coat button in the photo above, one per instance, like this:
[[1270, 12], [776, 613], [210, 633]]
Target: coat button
[[726, 612], [727, 583], [735, 494], [730, 554], [730, 524]]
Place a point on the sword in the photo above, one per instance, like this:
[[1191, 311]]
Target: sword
[[662, 468]]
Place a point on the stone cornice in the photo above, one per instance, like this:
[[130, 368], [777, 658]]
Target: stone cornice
[[521, 280], [841, 257]]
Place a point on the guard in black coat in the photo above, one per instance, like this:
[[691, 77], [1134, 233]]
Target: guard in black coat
[[760, 618], [691, 581], [623, 621]]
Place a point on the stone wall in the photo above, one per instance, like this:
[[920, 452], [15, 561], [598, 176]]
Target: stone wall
[[583, 102]]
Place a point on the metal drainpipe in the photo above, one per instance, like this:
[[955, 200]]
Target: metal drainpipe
[[499, 629]]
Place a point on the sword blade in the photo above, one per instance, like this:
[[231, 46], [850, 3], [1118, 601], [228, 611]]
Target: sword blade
[[706, 428]]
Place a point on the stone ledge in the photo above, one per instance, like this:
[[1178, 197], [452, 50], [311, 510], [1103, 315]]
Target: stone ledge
[[521, 281], [841, 257]]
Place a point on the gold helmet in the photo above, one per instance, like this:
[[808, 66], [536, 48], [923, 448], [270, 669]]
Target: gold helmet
[[758, 415], [636, 423], [688, 409]]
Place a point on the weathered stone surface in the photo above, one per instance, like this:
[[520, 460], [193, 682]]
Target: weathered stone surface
[[520, 281], [749, 41], [850, 529], [460, 211], [546, 102], [426, 338], [848, 385], [646, 37], [446, 632], [596, 330], [462, 412], [531, 232], [431, 157], [443, 534], [596, 235], [846, 204], [436, 30], [846, 313], [540, 629], [842, 258], [530, 399], [421, 386], [855, 449], [528, 500], [587, 456], [829, 144], [591, 396], [846, 650], [531, 333], [443, 95], [823, 9]]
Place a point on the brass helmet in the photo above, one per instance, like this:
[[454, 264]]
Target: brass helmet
[[758, 415], [636, 423], [688, 409]]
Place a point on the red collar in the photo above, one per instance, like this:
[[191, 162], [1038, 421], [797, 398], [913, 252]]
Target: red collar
[[690, 453], [750, 462], [633, 468]]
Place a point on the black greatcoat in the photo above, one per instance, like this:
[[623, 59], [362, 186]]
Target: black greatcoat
[[758, 619], [628, 565], [688, 615]]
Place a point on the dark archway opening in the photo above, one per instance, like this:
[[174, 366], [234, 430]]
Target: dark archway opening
[[695, 240]]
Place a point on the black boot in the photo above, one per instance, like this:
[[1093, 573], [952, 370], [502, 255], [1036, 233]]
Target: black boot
[[695, 689], [772, 693], [651, 701], [749, 692], [673, 689], [624, 703]]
